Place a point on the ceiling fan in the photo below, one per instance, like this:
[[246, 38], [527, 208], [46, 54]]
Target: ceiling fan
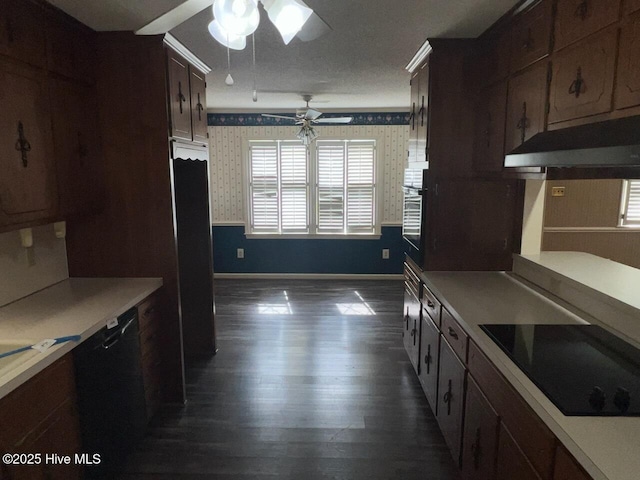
[[306, 118], [291, 18]]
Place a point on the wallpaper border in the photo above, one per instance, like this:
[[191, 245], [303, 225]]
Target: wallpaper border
[[257, 120]]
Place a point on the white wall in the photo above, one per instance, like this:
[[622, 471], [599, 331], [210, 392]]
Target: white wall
[[17, 277], [227, 198]]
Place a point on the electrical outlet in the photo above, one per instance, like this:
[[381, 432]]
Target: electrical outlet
[[557, 191], [240, 253], [385, 253]]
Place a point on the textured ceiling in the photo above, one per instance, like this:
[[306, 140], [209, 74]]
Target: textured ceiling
[[358, 65]]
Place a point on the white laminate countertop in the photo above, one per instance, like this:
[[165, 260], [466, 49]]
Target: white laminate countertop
[[77, 306], [607, 447]]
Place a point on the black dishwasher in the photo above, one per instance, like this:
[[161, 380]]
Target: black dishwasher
[[110, 394]]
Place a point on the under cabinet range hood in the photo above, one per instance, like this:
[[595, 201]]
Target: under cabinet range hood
[[614, 143]]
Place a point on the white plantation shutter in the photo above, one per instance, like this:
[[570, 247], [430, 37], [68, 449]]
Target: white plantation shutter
[[264, 188], [331, 157], [631, 212], [294, 187], [360, 187]]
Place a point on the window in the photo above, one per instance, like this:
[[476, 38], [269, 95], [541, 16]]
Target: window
[[342, 200], [631, 204]]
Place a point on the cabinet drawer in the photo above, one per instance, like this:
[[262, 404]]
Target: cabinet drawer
[[431, 305], [412, 280], [566, 468], [533, 437], [429, 361], [455, 335], [582, 80], [531, 36], [576, 19]]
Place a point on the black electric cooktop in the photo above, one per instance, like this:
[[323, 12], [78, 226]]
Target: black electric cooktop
[[582, 369]]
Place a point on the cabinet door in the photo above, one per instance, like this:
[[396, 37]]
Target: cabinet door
[[198, 105], [494, 52], [27, 188], [576, 19], [511, 462], [22, 31], [70, 50], [179, 102], [422, 115], [451, 398], [631, 5], [479, 441], [79, 166], [429, 360], [413, 113], [582, 80], [526, 105], [489, 132], [628, 79], [566, 468], [531, 36], [411, 329]]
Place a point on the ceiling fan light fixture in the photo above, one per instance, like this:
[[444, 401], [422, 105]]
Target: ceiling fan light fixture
[[235, 42], [237, 17], [288, 16], [307, 135]]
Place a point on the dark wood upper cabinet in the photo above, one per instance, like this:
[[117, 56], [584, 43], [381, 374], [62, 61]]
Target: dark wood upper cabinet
[[451, 385], [27, 182], [511, 462], [576, 19], [526, 105], [22, 31], [628, 78], [422, 114], [531, 35], [198, 105], [413, 125], [429, 360], [493, 56], [631, 5], [71, 49], [78, 155], [479, 441], [491, 109], [179, 102], [583, 77], [566, 468]]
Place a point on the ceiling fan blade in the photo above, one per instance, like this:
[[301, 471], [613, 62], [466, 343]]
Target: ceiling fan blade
[[312, 114], [279, 116], [174, 17], [313, 28], [334, 120]]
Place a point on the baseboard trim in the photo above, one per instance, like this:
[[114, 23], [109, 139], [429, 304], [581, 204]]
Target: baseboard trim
[[311, 276]]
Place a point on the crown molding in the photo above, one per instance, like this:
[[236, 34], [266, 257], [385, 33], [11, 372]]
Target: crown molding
[[188, 55], [419, 57]]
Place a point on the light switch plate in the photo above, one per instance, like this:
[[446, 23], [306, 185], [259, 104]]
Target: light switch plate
[[240, 253]]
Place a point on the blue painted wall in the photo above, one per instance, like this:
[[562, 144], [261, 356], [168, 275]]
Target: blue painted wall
[[306, 255]]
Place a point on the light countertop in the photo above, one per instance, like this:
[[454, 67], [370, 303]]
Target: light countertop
[[77, 306], [607, 447]]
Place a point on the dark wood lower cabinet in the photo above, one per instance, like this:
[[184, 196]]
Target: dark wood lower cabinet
[[512, 463], [411, 329], [479, 441], [451, 398], [429, 360]]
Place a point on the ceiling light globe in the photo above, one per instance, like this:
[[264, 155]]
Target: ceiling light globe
[[235, 42], [288, 16], [238, 17]]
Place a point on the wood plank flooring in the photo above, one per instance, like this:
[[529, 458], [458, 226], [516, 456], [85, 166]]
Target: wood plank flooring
[[311, 381]]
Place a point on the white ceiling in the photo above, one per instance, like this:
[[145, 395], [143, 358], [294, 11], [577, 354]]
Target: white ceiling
[[359, 65]]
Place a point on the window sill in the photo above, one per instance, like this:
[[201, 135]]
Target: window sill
[[307, 236]]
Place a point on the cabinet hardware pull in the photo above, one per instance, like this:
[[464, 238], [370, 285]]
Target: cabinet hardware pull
[[422, 113], [453, 333], [427, 358], [430, 304], [23, 145], [412, 117], [529, 43], [523, 124], [200, 108], [448, 397], [476, 448], [577, 87], [181, 97], [582, 10]]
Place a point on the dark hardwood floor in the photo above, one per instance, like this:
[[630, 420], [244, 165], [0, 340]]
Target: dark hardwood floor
[[311, 381]]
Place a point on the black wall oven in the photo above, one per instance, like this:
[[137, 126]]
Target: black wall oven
[[414, 211]]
